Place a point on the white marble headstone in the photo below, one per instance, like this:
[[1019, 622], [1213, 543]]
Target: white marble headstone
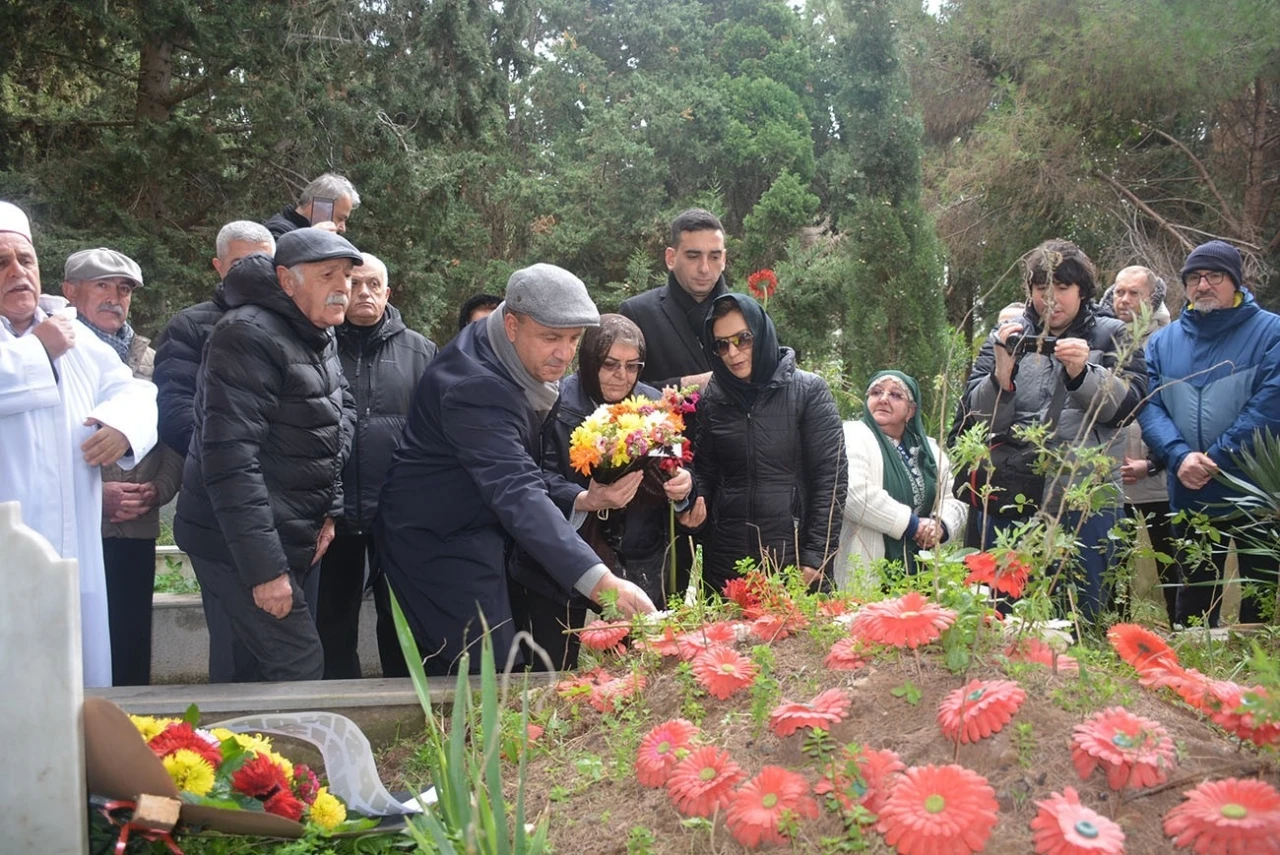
[[43, 787]]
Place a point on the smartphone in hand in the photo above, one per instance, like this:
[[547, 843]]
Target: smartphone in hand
[[321, 210]]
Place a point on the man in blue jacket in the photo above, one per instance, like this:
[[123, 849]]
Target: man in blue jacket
[[464, 487], [1215, 379]]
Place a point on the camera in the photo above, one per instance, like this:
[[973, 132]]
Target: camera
[[1020, 343]]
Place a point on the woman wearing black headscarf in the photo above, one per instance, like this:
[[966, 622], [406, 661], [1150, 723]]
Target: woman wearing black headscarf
[[770, 451], [633, 541]]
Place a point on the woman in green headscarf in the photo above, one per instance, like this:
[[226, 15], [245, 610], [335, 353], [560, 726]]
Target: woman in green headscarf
[[899, 497]]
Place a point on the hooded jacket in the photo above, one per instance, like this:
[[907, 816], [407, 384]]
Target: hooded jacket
[[273, 423], [1215, 378], [178, 353], [769, 458]]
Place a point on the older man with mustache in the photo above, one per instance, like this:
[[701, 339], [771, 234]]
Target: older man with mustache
[[262, 484]]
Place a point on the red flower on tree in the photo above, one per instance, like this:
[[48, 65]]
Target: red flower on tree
[[1063, 826], [848, 654], [260, 778], [938, 809], [661, 749], [1005, 576], [603, 635], [1134, 751], [762, 284], [907, 621], [703, 782], [757, 810], [1232, 817], [182, 735], [823, 711], [979, 709], [1035, 650], [723, 671], [865, 778]]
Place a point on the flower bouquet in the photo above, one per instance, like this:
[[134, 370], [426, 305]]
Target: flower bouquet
[[620, 438]]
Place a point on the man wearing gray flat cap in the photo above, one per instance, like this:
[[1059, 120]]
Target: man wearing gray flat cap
[[465, 489], [262, 486]]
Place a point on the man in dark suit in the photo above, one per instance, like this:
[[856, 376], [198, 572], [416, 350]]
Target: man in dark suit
[[672, 317]]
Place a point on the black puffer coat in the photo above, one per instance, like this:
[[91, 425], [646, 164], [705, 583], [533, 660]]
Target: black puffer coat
[[774, 471], [178, 351], [273, 422], [382, 366]]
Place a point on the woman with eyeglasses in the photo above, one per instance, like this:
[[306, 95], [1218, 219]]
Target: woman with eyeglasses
[[899, 483], [769, 453], [633, 541]]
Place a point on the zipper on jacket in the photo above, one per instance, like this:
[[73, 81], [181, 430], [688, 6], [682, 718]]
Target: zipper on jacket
[[361, 417], [751, 474]]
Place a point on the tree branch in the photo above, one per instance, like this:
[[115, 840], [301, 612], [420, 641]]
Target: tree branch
[[1200, 168], [184, 93], [1145, 208]]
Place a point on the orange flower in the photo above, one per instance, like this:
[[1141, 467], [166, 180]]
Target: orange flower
[[607, 693], [1231, 817], [1005, 576], [1134, 751], [823, 711], [756, 811], [1035, 650], [584, 458], [723, 671], [1065, 827], [1140, 647], [938, 809], [908, 621], [865, 778], [979, 709], [703, 782], [848, 654], [661, 749], [603, 635]]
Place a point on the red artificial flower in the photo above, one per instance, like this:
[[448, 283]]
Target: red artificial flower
[[259, 777], [533, 732], [1035, 650], [1005, 576], [823, 711], [771, 627], [703, 782], [182, 735], [664, 645], [1141, 648], [661, 749], [756, 810], [739, 591], [848, 654], [979, 709], [607, 693], [938, 809], [1134, 751], [603, 635], [907, 621], [762, 284], [832, 608], [581, 685], [1229, 817], [703, 638], [723, 671], [865, 778], [284, 804], [1235, 709], [305, 783], [1063, 826]]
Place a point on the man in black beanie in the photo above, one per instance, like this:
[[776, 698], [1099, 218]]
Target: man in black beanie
[[1215, 379]]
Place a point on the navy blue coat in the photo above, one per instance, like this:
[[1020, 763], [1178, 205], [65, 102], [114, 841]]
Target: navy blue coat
[[463, 489]]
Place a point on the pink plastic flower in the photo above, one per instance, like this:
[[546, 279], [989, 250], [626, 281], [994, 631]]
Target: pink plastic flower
[[1133, 751], [1230, 817], [692, 643], [938, 810], [1063, 826], [1035, 650], [979, 709], [757, 810], [607, 693], [848, 654], [823, 711], [703, 782], [864, 778], [661, 749], [603, 635], [722, 671], [908, 621]]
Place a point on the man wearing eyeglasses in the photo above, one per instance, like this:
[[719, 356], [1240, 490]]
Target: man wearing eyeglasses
[[1215, 380]]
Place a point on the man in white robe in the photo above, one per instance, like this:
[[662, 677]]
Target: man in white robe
[[68, 406]]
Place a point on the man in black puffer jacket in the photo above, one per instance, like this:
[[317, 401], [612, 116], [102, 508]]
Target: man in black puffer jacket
[[179, 347], [273, 422], [383, 361]]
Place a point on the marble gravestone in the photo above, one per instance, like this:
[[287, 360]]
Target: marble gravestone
[[43, 787]]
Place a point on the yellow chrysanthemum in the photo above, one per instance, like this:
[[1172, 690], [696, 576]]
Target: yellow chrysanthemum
[[222, 734], [254, 742], [150, 726], [284, 764], [327, 811], [191, 772]]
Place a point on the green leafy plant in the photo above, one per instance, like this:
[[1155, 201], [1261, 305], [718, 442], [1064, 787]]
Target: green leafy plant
[[908, 692]]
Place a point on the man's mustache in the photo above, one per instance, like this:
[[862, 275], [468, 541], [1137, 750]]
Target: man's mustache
[[336, 300], [113, 309]]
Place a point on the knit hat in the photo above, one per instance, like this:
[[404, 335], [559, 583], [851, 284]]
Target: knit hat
[[88, 265], [12, 219], [552, 296], [1216, 255], [304, 246]]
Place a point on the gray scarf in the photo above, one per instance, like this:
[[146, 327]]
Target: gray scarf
[[120, 340], [541, 396]]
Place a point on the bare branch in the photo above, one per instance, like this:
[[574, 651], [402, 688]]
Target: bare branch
[[1200, 168], [1145, 208]]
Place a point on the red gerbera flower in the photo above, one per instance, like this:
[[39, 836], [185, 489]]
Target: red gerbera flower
[[771, 627], [1229, 817], [762, 284], [607, 693], [1134, 751], [823, 711], [1065, 827], [848, 654], [723, 671], [938, 809], [832, 608], [1140, 647], [603, 635], [305, 783], [581, 685], [661, 749], [979, 709], [864, 778], [259, 777], [1035, 650], [1005, 576], [664, 645], [705, 637], [182, 735], [739, 591], [703, 782], [756, 811], [284, 804], [908, 621]]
